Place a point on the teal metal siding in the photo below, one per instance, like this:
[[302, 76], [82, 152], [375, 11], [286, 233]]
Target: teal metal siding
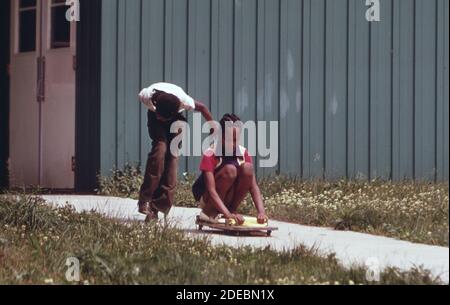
[[354, 99], [358, 85]]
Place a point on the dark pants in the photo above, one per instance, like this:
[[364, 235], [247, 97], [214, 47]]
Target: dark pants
[[160, 178]]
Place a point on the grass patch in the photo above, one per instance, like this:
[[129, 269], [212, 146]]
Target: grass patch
[[36, 240], [412, 211]]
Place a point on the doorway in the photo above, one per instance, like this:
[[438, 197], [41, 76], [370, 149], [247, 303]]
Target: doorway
[[4, 92], [42, 95]]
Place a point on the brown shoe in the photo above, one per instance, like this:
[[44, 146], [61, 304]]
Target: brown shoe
[[147, 209], [162, 205], [153, 216]]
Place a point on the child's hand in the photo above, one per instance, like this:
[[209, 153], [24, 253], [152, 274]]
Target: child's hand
[[262, 218], [238, 218]]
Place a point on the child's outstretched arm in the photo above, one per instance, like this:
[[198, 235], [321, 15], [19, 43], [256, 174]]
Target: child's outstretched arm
[[258, 201], [200, 107]]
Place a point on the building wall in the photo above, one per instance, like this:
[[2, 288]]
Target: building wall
[[354, 99]]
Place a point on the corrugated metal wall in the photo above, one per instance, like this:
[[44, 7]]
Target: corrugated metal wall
[[354, 99]]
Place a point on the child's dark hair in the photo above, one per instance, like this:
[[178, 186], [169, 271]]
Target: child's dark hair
[[167, 105], [228, 118]]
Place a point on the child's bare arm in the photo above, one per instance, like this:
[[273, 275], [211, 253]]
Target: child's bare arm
[[211, 189], [258, 201], [200, 107]]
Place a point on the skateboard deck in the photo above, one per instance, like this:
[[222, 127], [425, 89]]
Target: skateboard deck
[[235, 229]]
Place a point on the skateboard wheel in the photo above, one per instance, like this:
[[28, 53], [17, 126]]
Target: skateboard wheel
[[269, 233], [200, 227]]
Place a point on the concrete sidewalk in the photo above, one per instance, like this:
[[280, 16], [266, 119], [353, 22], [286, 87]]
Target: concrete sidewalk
[[349, 247]]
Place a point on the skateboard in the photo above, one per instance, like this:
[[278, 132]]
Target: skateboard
[[233, 228]]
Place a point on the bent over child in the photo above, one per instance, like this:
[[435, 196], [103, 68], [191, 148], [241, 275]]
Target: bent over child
[[165, 103]]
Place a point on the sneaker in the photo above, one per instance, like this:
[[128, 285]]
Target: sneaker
[[212, 220]]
